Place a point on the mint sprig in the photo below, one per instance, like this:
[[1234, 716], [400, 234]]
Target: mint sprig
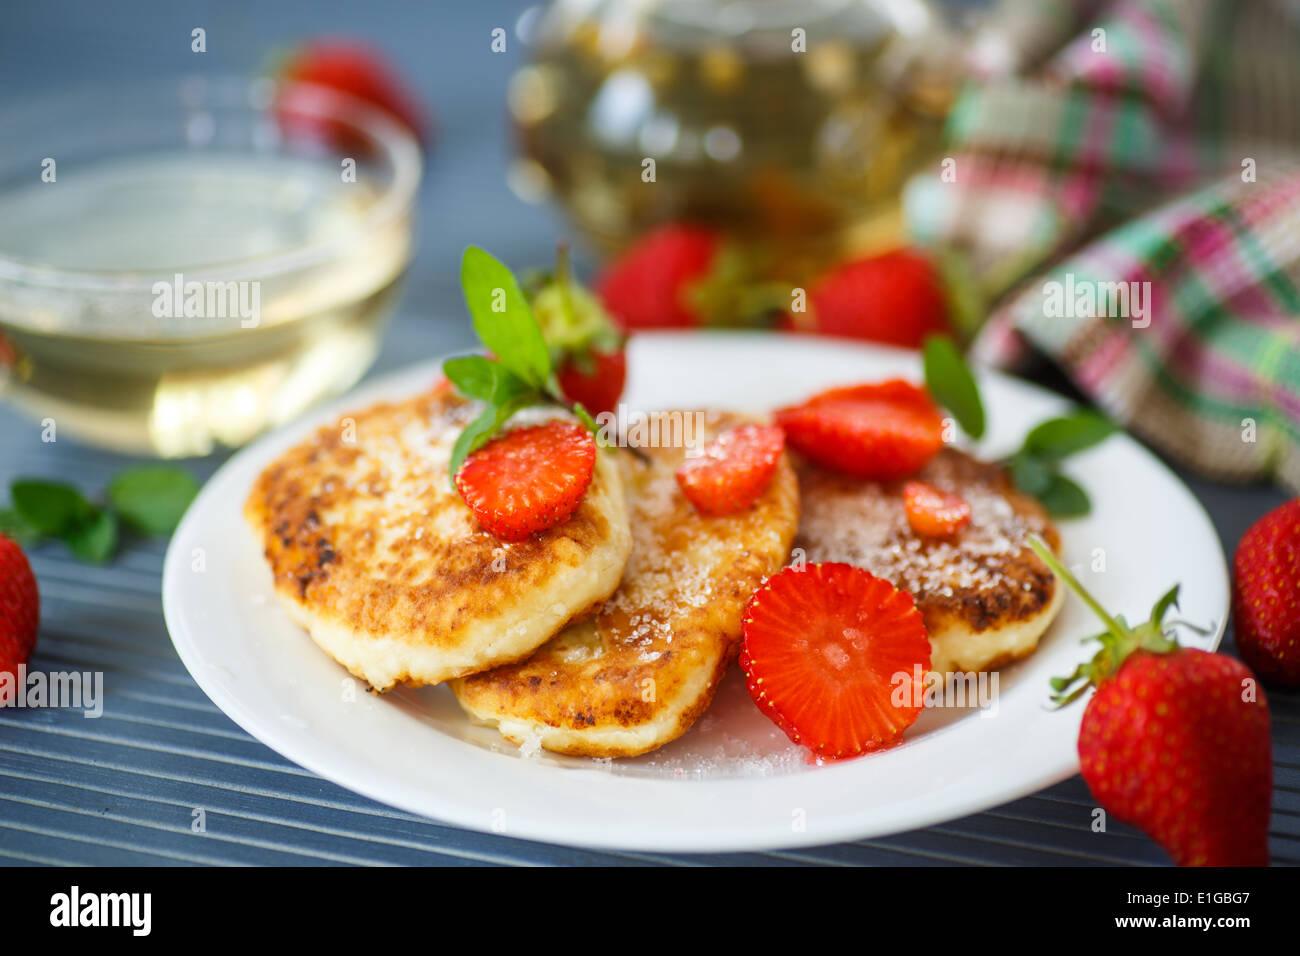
[[519, 374], [152, 499], [1035, 467], [1056, 438], [149, 499]]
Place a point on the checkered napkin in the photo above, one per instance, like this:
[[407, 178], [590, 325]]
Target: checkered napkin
[[1125, 179]]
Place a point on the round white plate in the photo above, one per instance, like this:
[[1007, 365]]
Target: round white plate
[[733, 782]]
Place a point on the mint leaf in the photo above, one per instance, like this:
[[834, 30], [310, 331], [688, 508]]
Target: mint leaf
[[95, 538], [473, 375], [1057, 438], [476, 434], [17, 528], [482, 378], [50, 507], [1034, 466], [502, 318], [952, 385], [1065, 499], [152, 498], [1031, 474]]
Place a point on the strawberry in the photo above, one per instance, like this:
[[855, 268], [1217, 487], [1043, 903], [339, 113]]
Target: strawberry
[[933, 513], [835, 657], [528, 479], [353, 68], [1175, 741], [1266, 595], [657, 283], [896, 298], [884, 431], [733, 469], [599, 385], [586, 347], [20, 609]]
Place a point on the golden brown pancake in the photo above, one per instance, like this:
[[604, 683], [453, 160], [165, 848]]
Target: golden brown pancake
[[985, 597], [640, 672], [386, 567]]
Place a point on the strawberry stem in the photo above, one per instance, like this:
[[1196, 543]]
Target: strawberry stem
[[562, 282], [1061, 571], [1117, 642]]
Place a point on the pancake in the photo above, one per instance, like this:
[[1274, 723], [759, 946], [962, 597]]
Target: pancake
[[387, 568], [640, 672], [985, 597]]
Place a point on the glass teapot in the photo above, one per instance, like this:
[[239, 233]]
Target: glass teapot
[[792, 120]]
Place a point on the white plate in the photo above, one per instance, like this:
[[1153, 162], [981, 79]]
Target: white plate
[[733, 782]]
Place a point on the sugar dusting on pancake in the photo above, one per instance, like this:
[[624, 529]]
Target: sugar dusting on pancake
[[389, 571], [985, 597], [640, 672]]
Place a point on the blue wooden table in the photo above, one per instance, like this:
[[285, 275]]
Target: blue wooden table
[[124, 788]]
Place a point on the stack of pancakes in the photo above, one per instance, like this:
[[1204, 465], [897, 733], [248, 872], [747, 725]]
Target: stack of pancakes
[[607, 635]]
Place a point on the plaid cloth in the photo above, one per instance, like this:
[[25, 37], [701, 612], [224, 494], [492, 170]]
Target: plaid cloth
[[1140, 141]]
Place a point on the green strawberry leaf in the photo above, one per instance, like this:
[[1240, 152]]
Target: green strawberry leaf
[[1118, 641], [1057, 438], [952, 385], [152, 498], [1170, 599], [502, 318], [50, 507], [94, 539], [1059, 684], [1064, 498]]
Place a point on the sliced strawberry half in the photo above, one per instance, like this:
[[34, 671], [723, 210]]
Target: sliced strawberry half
[[733, 469], [932, 512], [883, 431], [836, 657], [528, 479]]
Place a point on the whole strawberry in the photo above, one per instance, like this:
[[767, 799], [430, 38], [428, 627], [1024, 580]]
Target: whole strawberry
[[1266, 595], [20, 609], [1173, 744], [896, 298], [594, 379], [358, 70], [585, 345], [1175, 740], [665, 279]]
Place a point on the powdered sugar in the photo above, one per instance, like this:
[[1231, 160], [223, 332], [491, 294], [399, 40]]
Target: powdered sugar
[[863, 523]]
